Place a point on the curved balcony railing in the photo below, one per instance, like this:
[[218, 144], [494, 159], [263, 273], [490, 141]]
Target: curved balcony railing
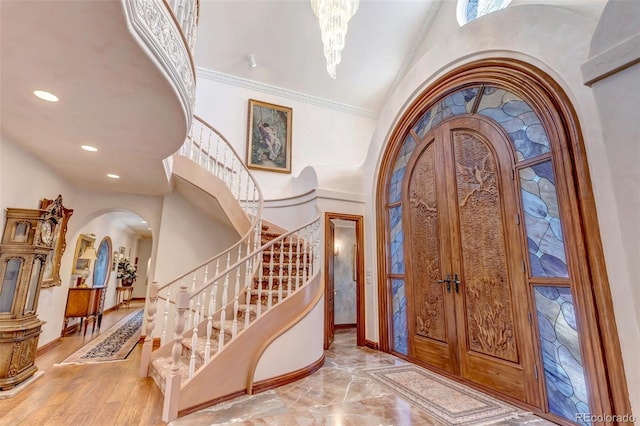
[[167, 31], [186, 13]]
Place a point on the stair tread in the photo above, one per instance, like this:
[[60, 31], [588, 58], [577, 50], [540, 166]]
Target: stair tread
[[255, 292], [228, 326]]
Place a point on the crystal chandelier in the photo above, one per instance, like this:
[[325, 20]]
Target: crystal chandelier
[[334, 16]]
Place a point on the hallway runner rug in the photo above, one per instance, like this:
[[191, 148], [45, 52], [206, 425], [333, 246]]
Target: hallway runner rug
[[448, 401], [114, 345]]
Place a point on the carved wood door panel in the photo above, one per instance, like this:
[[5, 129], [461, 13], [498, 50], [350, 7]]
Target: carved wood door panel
[[430, 307], [466, 292]]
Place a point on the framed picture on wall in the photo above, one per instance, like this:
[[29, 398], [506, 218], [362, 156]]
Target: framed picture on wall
[[269, 137], [84, 241], [114, 263]]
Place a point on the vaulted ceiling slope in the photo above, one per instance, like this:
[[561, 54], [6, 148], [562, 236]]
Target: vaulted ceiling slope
[[112, 96], [284, 38]]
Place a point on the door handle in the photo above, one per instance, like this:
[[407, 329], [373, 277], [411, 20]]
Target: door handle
[[456, 281], [448, 281]]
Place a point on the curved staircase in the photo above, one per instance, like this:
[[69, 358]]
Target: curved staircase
[[219, 318]]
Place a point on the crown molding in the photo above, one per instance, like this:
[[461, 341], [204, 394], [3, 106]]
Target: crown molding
[[285, 93]]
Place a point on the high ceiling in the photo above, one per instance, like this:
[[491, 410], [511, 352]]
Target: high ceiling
[[284, 38], [114, 97]]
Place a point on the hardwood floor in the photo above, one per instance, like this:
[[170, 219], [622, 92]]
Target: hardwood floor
[[108, 393]]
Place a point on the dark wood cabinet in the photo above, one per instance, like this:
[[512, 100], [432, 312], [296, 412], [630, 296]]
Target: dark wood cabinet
[[83, 303]]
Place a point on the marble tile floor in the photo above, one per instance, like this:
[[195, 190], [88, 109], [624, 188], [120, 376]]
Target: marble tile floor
[[338, 394]]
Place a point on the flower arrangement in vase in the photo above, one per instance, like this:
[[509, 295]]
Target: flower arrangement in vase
[[127, 272]]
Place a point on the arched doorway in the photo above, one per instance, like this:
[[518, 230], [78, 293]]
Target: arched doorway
[[491, 264]]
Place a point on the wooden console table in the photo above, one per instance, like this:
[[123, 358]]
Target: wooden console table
[[83, 303], [124, 293]]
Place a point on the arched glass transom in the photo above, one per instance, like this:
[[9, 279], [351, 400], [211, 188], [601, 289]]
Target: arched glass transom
[[469, 10]]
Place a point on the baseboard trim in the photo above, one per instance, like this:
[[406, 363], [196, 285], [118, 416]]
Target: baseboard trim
[[371, 345], [285, 379], [209, 403], [111, 309], [260, 386], [44, 348]]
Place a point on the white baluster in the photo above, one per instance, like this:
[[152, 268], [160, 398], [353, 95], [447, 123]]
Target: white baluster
[[247, 290], [147, 346], [270, 293], [260, 270], [223, 312], [212, 309], [232, 174], [217, 158], [304, 258], [194, 342], [209, 159], [205, 281], [290, 265], [234, 324], [316, 249], [280, 270], [201, 150], [165, 317], [246, 195], [191, 302], [172, 384], [298, 254]]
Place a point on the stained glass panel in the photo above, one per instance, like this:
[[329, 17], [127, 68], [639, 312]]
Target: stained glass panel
[[460, 102], [399, 317], [397, 240], [562, 361], [517, 119], [395, 188], [477, 8], [542, 221]]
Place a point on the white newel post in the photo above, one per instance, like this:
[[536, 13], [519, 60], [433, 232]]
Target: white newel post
[[150, 325], [172, 388]]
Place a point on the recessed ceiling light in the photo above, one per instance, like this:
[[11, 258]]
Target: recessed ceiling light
[[89, 148], [46, 96], [112, 176]]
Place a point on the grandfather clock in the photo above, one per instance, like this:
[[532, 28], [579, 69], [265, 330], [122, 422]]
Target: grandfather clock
[[26, 242]]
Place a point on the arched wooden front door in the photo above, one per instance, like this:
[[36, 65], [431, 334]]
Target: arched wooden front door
[[466, 293], [491, 259]]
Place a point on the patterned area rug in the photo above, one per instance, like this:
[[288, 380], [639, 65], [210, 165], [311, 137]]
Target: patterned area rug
[[446, 400], [114, 345]]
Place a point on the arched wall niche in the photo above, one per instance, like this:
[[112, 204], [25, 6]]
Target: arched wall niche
[[600, 346]]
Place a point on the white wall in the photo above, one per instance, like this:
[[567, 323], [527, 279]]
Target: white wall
[[557, 41], [188, 236], [304, 339], [145, 247], [24, 181], [617, 95], [321, 136]]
